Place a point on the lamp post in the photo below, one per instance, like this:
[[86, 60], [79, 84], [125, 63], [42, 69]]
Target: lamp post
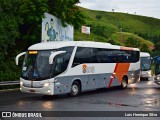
[[121, 34]]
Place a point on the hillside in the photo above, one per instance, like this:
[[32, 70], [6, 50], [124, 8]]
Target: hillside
[[119, 27], [122, 37]]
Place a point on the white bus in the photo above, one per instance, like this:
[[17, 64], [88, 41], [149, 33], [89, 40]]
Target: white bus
[[145, 60], [71, 67]]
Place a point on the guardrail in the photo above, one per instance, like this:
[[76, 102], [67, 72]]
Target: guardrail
[[6, 83]]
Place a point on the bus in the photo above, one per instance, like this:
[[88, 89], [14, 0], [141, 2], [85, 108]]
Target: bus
[[71, 67], [145, 60], [157, 69]]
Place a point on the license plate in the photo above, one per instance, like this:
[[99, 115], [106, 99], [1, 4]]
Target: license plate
[[32, 91]]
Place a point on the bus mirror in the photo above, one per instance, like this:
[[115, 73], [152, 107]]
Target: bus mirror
[[18, 56], [53, 55]]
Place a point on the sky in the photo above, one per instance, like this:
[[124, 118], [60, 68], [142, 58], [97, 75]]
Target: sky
[[149, 8]]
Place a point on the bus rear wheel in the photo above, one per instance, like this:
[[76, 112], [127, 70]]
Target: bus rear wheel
[[124, 83], [75, 89]]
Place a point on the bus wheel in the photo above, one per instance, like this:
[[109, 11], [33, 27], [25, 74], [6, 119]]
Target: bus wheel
[[124, 83], [75, 89]]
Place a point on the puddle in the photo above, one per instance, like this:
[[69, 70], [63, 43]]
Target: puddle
[[155, 103], [108, 103], [117, 104]]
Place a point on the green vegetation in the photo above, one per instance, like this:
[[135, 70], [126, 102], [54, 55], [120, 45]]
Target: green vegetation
[[20, 27], [20, 22], [122, 29], [118, 36]]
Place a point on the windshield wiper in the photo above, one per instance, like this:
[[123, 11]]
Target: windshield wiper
[[29, 70], [36, 70], [144, 67]]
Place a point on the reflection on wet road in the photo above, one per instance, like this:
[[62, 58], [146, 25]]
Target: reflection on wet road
[[142, 96]]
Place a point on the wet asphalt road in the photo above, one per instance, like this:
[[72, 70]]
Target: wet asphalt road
[[142, 96]]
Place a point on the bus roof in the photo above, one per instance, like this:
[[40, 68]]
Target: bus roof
[[144, 54], [59, 44]]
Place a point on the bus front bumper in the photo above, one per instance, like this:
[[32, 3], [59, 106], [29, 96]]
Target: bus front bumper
[[145, 74], [41, 88], [44, 91]]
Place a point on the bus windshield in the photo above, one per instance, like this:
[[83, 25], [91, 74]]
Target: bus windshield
[[145, 63], [36, 64]]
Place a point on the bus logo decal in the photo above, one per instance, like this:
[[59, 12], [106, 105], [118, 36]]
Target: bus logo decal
[[84, 67], [88, 69]]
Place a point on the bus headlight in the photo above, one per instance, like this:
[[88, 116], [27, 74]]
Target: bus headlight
[[21, 83], [149, 72], [158, 78], [46, 85]]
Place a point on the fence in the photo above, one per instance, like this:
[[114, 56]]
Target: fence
[[9, 85]]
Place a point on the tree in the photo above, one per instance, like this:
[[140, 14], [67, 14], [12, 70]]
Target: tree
[[132, 42], [113, 42], [67, 11], [9, 26], [157, 46], [22, 18], [103, 30], [20, 26], [129, 42], [9, 32], [32, 12], [145, 48]]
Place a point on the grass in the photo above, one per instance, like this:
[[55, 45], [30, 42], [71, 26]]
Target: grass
[[121, 38], [132, 26]]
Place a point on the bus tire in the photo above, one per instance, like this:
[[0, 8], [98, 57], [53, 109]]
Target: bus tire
[[75, 89], [124, 83]]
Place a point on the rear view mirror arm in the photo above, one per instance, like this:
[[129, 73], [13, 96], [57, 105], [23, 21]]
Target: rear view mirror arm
[[18, 56], [53, 55]]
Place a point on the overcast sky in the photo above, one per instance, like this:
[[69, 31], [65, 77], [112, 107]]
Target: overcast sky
[[149, 8]]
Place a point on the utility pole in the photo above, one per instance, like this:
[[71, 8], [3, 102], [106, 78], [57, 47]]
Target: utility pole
[[121, 34]]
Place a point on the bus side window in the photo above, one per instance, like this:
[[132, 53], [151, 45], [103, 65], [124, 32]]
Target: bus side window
[[134, 56], [85, 55], [59, 61]]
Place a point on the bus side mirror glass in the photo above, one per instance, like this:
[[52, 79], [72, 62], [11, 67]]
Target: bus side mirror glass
[[18, 56], [51, 57]]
